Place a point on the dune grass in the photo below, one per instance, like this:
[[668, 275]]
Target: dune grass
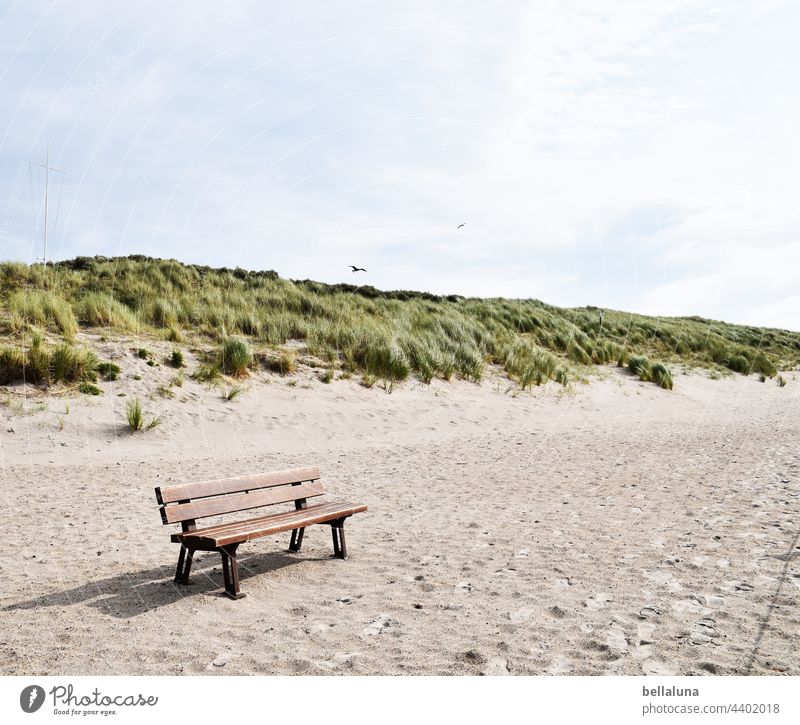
[[234, 357], [133, 412], [381, 336], [38, 363], [232, 393]]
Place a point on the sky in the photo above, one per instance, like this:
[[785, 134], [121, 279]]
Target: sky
[[630, 155]]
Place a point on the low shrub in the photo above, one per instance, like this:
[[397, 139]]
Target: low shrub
[[108, 370], [739, 364], [284, 363], [209, 374], [89, 389], [639, 365], [71, 364], [12, 365], [661, 376], [176, 359], [234, 357]]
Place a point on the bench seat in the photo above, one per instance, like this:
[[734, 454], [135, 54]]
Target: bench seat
[[185, 503], [235, 532]]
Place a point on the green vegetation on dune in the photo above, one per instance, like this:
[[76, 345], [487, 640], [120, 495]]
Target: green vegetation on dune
[[241, 317]]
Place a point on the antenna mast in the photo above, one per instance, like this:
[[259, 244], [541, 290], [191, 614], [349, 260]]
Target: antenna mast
[[47, 169]]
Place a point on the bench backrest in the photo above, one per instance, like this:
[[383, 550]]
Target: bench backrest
[[189, 501]]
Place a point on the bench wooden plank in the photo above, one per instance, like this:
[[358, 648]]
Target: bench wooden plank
[[227, 525], [185, 503], [237, 532], [176, 513], [236, 484]]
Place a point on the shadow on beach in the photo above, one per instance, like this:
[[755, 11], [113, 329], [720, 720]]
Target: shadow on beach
[[133, 593]]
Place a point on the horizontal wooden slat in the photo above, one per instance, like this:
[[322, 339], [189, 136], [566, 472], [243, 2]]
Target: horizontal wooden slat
[[174, 513], [191, 491], [238, 531], [266, 519]]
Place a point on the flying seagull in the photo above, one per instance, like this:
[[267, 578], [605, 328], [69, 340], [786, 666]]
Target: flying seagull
[[461, 225], [356, 269]]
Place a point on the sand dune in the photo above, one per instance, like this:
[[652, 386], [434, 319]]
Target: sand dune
[[614, 529]]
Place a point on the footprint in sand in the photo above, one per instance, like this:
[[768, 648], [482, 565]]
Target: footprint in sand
[[664, 578], [221, 660], [656, 668], [688, 606], [506, 571], [712, 601], [645, 631], [560, 666], [704, 632], [378, 625], [738, 586], [598, 601], [616, 639], [339, 659], [497, 666], [521, 615], [651, 614]]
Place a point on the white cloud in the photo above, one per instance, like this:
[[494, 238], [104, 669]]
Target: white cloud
[[559, 131]]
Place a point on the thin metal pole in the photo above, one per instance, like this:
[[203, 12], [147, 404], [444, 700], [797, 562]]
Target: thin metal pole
[[46, 184], [47, 169]]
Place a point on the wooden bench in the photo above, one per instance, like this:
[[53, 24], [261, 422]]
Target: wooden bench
[[186, 503]]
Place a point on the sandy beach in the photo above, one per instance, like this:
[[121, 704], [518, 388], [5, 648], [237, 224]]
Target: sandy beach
[[612, 528]]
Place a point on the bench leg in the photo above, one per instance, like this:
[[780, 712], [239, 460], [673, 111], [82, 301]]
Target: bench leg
[[339, 543], [184, 565], [297, 539], [230, 571]]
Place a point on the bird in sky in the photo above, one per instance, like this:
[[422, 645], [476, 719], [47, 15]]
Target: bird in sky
[[461, 225], [357, 269]]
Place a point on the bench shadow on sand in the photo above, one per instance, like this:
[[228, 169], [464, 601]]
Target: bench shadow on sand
[[133, 593]]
